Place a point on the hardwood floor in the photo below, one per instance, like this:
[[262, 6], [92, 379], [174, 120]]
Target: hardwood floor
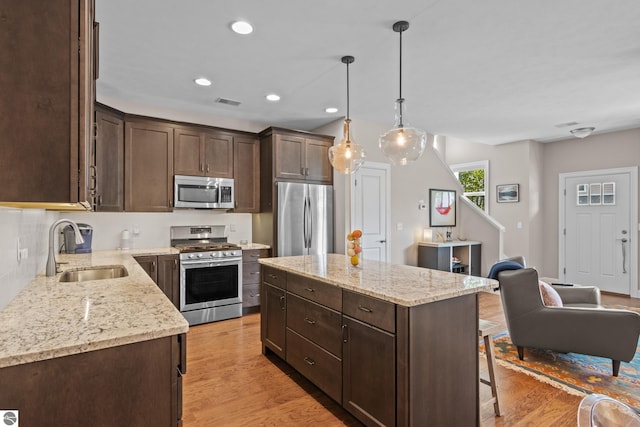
[[230, 383]]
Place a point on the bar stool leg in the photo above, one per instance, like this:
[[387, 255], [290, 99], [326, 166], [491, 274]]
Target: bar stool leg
[[491, 364]]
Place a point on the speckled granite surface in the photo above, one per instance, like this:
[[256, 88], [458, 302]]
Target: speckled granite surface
[[51, 319], [400, 284]]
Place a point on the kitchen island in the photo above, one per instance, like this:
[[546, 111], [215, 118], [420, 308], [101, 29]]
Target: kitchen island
[[394, 344], [99, 352]]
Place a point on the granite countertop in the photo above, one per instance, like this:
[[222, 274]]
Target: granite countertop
[[249, 246], [401, 284], [50, 319]]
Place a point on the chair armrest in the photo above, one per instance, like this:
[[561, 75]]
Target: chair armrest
[[578, 294]]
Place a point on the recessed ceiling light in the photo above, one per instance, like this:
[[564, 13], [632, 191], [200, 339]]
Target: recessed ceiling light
[[242, 27], [331, 110], [273, 97], [203, 81]]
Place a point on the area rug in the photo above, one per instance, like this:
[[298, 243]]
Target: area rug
[[575, 373]]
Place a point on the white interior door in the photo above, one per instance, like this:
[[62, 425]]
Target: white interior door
[[599, 241], [370, 213]]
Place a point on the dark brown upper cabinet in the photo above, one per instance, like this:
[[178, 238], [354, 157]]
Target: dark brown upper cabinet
[[246, 173], [202, 152], [46, 114], [107, 174], [148, 172], [297, 155]]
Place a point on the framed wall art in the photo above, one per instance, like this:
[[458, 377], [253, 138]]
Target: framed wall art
[[442, 208], [508, 193]]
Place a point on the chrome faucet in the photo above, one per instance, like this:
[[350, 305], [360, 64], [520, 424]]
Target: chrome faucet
[[51, 259]]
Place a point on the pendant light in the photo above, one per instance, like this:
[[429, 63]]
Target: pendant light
[[402, 143], [347, 156]]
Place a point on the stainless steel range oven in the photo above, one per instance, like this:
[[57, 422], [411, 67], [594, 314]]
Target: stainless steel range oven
[[210, 273]]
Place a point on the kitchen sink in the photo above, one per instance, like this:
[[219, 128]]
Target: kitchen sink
[[98, 272]]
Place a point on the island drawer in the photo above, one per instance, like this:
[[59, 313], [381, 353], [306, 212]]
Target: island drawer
[[373, 311], [316, 323], [274, 277], [320, 292], [316, 364]]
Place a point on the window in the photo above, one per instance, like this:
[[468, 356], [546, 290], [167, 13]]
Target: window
[[474, 178]]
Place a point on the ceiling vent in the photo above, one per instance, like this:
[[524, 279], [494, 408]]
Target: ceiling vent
[[564, 125], [228, 101]]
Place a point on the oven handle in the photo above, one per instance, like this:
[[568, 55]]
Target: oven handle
[[212, 263]]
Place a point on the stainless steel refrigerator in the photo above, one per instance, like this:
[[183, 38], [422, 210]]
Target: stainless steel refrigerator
[[304, 218]]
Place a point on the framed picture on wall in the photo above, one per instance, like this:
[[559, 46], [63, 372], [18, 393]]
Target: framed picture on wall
[[442, 208], [508, 193]]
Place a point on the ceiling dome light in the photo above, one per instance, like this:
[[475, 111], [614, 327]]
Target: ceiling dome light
[[242, 27], [273, 97], [202, 81], [347, 156], [331, 110], [582, 132], [402, 143]]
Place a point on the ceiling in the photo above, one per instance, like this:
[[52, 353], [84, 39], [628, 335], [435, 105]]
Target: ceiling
[[492, 71]]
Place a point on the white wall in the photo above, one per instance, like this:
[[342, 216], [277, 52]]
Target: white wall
[[27, 229], [514, 163]]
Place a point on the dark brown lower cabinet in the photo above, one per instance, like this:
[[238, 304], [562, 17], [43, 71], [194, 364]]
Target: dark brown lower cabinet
[[164, 271], [369, 373], [130, 385], [274, 316]]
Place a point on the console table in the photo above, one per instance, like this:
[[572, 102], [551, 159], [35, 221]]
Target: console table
[[439, 256]]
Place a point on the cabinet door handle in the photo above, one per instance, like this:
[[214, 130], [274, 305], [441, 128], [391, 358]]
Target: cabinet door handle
[[254, 256], [273, 276], [310, 321], [344, 333], [365, 309], [309, 289], [153, 266], [302, 171], [207, 168], [255, 272], [254, 295], [309, 360], [201, 168], [282, 306]]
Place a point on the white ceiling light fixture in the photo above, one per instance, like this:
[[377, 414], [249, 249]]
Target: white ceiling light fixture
[[202, 81], [347, 156], [242, 27], [402, 144], [331, 110], [582, 132]]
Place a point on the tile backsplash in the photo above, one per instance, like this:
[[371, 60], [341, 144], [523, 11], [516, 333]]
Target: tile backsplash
[[23, 248]]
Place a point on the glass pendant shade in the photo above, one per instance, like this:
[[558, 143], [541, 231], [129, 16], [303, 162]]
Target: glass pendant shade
[[347, 156], [402, 143]]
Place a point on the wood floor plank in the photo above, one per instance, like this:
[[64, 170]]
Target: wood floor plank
[[230, 383]]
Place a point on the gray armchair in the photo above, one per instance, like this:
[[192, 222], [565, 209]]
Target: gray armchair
[[582, 325]]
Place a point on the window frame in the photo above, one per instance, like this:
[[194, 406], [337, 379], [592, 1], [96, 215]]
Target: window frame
[[471, 166]]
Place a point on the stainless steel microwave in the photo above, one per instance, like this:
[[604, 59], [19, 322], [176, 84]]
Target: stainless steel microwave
[[201, 192]]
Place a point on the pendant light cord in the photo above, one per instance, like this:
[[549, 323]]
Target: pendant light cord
[[347, 90], [400, 97], [400, 27]]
